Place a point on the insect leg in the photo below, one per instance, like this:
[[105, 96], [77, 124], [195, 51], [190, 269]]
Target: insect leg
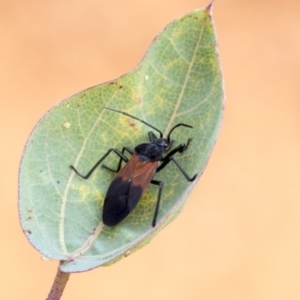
[[188, 178], [169, 157], [119, 153], [180, 148], [120, 162], [160, 186]]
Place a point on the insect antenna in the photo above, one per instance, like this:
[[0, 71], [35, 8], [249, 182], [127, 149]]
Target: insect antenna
[[133, 117], [180, 124]]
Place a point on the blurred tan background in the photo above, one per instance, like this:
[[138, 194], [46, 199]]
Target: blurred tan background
[[239, 236]]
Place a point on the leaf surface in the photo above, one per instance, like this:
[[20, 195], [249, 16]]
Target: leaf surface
[[178, 81]]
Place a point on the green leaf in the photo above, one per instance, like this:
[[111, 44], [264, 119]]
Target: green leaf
[[179, 80]]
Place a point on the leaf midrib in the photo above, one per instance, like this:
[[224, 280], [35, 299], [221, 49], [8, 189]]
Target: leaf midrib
[[180, 97]]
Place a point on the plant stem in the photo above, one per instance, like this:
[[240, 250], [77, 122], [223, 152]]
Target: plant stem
[[58, 285]]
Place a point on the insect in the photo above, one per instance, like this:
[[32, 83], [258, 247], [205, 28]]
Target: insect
[[131, 181]]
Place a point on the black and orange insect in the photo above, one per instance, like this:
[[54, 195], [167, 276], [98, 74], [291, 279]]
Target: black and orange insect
[[133, 179]]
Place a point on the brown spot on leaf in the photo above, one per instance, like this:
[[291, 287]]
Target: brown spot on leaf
[[131, 124], [139, 99]]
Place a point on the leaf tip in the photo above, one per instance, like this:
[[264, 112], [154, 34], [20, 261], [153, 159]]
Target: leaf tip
[[209, 6]]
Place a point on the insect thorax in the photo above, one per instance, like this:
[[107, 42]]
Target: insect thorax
[[150, 151]]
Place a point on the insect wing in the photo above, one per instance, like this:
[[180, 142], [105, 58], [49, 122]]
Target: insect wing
[[126, 190], [115, 207], [141, 179]]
